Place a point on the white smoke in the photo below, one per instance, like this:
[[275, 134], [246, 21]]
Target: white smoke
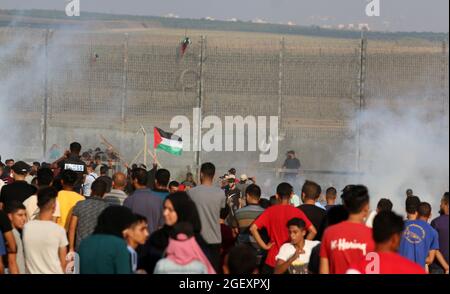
[[405, 147], [25, 61]]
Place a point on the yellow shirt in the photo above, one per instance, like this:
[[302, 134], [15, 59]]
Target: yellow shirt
[[67, 201]]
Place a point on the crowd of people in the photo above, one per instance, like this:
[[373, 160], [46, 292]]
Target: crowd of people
[[78, 215]]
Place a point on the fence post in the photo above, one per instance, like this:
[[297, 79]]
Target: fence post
[[280, 83], [124, 83], [362, 71], [198, 140], [123, 102], [44, 113], [361, 92], [444, 72]]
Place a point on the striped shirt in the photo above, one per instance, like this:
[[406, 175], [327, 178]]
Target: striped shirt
[[244, 217], [87, 212], [115, 197]]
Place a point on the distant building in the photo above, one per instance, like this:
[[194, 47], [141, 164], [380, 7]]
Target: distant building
[[290, 23], [209, 18], [258, 20], [363, 26], [171, 15]]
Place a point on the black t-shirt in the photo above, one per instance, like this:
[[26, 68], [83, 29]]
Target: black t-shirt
[[5, 224], [17, 191], [317, 216], [74, 163], [292, 163]]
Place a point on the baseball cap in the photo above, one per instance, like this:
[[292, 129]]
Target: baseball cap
[[21, 167], [244, 177]]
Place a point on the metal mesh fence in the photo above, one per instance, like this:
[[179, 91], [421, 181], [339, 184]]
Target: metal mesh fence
[[76, 86]]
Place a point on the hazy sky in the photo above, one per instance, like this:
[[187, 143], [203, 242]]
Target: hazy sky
[[395, 15]]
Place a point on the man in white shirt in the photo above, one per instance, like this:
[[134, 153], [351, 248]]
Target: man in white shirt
[[90, 178], [44, 241]]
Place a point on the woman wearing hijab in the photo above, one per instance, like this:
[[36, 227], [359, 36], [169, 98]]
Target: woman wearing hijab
[[105, 251], [178, 207], [183, 255]]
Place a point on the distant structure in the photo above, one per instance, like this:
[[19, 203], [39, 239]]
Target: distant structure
[[350, 26], [171, 15], [259, 20], [363, 26]]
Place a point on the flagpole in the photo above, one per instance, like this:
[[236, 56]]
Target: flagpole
[[154, 157], [145, 144]]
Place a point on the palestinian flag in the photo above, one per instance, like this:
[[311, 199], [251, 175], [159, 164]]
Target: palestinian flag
[[167, 142]]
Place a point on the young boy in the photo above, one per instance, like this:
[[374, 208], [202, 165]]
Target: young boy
[[17, 214], [136, 235], [294, 256], [45, 242], [274, 219]]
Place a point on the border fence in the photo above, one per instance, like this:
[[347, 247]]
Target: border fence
[[58, 86]]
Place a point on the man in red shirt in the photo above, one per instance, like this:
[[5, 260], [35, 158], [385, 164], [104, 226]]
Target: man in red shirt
[[387, 233], [347, 242], [274, 220]]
